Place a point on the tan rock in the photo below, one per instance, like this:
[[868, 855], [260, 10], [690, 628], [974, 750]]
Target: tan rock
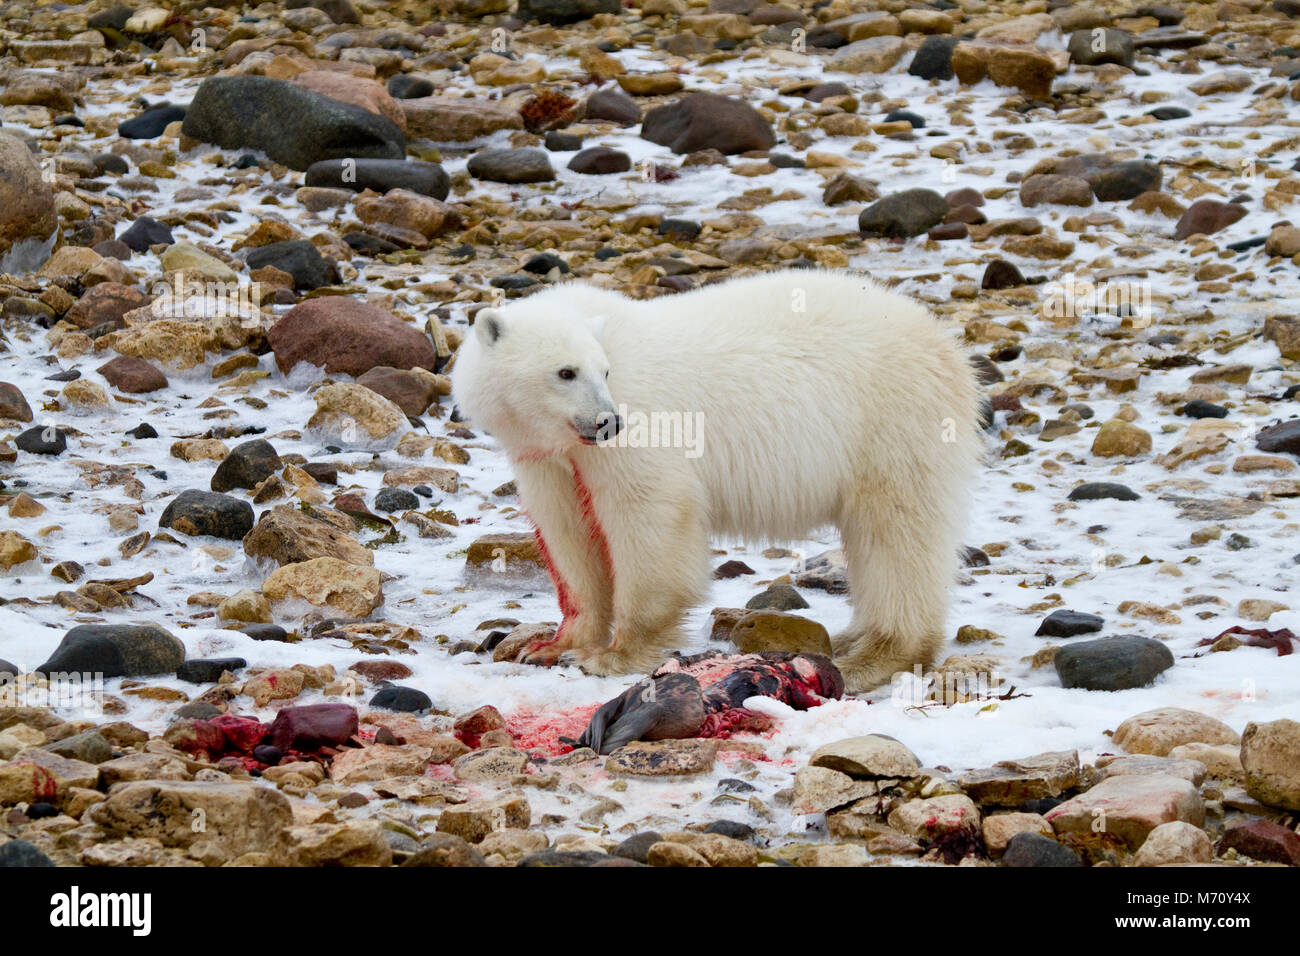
[[1001, 827], [934, 817], [1270, 756], [474, 820], [287, 534], [237, 817], [1222, 761], [353, 415], [276, 684], [246, 606], [354, 843], [348, 589], [1158, 731], [1129, 807], [1120, 439], [1176, 842], [37, 775], [15, 550]]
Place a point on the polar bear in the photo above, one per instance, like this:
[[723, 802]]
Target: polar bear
[[820, 398]]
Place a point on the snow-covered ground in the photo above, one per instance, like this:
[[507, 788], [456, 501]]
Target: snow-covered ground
[[1136, 551]]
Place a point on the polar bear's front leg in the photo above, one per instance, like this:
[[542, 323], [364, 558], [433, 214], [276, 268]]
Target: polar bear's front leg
[[575, 559], [660, 550]]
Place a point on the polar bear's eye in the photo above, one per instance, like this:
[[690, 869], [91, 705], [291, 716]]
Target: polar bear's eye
[[568, 374]]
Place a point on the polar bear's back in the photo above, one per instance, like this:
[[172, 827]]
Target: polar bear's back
[[808, 383]]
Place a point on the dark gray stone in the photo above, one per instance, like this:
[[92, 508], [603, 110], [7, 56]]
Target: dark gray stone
[[381, 175], [1069, 624], [1283, 437], [151, 123], [1097, 490], [208, 670], [197, 512], [22, 853], [1034, 849], [511, 166], [299, 258], [560, 12], [116, 650], [292, 125], [248, 464], [1112, 663], [903, 215], [405, 699]]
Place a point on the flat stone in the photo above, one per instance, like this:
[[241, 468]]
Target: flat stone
[[1009, 783], [1159, 731], [1129, 807], [662, 758], [867, 757], [1112, 765]]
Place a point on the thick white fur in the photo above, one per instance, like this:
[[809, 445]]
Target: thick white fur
[[826, 400]]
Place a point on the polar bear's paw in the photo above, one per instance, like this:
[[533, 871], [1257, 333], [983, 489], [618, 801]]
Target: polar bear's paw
[[543, 653], [612, 661]]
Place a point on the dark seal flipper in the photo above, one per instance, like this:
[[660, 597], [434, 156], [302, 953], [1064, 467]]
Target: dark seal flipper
[[663, 708]]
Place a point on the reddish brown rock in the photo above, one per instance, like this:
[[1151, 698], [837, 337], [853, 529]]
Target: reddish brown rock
[[1208, 216], [133, 375], [480, 721], [106, 302], [410, 391], [408, 210], [27, 217], [347, 335], [377, 670], [12, 403], [706, 120], [1262, 840], [358, 91]]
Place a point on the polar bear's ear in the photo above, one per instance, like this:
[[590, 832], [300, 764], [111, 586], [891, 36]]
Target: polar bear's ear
[[489, 324]]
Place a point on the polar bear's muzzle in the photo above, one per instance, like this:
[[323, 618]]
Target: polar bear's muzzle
[[605, 426]]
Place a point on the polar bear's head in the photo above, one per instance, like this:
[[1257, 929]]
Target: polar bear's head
[[535, 377]]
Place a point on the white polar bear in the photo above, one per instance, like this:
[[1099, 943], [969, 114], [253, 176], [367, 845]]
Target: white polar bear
[[823, 400]]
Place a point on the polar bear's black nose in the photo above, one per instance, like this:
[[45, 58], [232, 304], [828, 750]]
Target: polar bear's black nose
[[608, 424]]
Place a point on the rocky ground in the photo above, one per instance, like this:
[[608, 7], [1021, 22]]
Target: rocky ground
[[240, 245]]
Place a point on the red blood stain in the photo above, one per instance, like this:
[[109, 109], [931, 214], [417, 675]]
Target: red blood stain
[[241, 733], [568, 604], [440, 771], [570, 609], [541, 732], [729, 757], [724, 723], [44, 786], [595, 531]]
